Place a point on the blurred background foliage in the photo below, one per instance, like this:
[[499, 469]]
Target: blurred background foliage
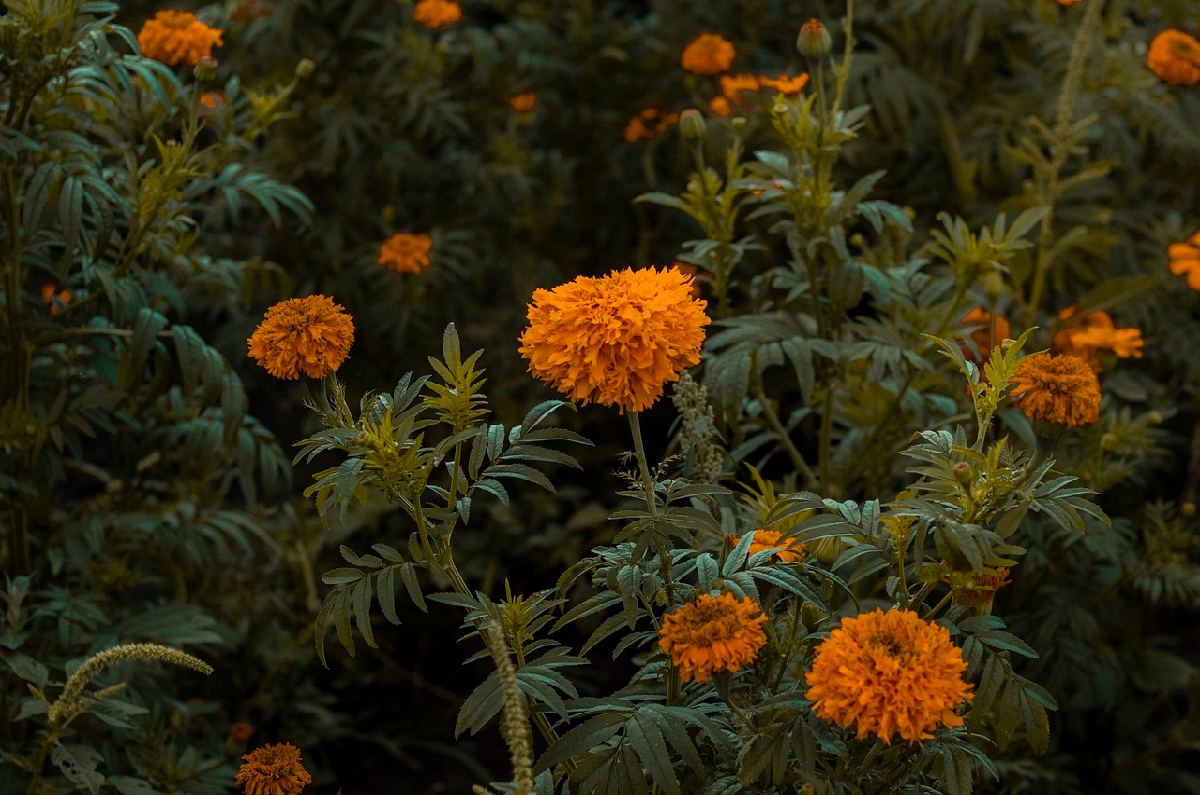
[[147, 489]]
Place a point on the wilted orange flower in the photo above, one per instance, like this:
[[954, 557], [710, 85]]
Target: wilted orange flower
[[789, 550], [435, 14], [785, 84], [987, 330], [969, 588], [708, 54], [309, 336], [1087, 334], [524, 102], [177, 38], [1174, 56], [617, 339], [241, 732], [56, 302], [1184, 260], [273, 770], [406, 253], [1060, 389], [889, 673], [647, 124], [711, 634]]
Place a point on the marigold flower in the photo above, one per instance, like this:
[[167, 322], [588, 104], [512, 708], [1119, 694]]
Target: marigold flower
[[524, 102], [1060, 389], [978, 590], [309, 336], [988, 330], [732, 86], [55, 302], [273, 770], [785, 84], [177, 38], [708, 54], [887, 674], [616, 339], [211, 103], [648, 124], [720, 106], [789, 550], [406, 253], [435, 14], [711, 634], [1174, 56], [1184, 260], [1087, 334]]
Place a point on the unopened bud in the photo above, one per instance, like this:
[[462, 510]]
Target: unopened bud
[[962, 472], [993, 284], [205, 70], [1108, 441], [305, 68], [1154, 418], [692, 124], [1188, 509], [814, 41]]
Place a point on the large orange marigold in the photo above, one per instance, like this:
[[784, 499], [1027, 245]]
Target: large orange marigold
[[404, 252], [273, 770], [435, 14], [177, 38], [1184, 260], [708, 54], [713, 633], [1175, 57], [1060, 389], [887, 674], [309, 336], [616, 339]]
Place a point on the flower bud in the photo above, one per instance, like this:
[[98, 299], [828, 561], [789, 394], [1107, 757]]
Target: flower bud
[[993, 284], [1188, 509], [1155, 418], [814, 41], [205, 70], [305, 68], [692, 124], [962, 472]]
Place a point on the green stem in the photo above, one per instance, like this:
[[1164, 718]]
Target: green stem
[[810, 477], [639, 449]]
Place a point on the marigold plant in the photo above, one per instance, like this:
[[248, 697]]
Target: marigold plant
[[177, 38], [887, 674], [713, 634], [615, 340], [303, 336]]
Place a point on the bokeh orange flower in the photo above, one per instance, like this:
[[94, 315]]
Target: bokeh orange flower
[[524, 102], [788, 549], [648, 124], [735, 86], [241, 732], [406, 252], [274, 769], [616, 339], [1174, 56], [211, 103], [1086, 335], [435, 14], [177, 38], [987, 331], [55, 301], [310, 336], [887, 674], [713, 634], [1069, 2], [785, 84], [1184, 260], [1060, 389], [708, 54]]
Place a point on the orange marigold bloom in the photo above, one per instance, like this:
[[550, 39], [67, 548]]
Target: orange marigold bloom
[[711, 634], [1060, 389], [1184, 260], [785, 84], [524, 102], [273, 770], [788, 550], [616, 339], [1087, 334], [177, 38], [648, 124], [211, 103], [1174, 56], [55, 302], [708, 54], [720, 106], [309, 336], [732, 86], [406, 253], [435, 14], [887, 674], [988, 330], [969, 588]]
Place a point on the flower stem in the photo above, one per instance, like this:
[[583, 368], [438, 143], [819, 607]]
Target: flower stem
[[639, 449]]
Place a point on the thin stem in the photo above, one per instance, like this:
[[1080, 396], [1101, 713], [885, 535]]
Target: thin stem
[[933, 611], [639, 449], [810, 477]]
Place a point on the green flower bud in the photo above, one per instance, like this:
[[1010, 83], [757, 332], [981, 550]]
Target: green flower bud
[[305, 68], [692, 124], [814, 41], [206, 70]]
